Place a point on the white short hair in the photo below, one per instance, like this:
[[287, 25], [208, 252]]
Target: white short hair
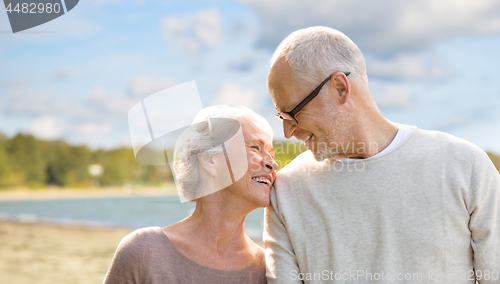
[[187, 148], [316, 52]]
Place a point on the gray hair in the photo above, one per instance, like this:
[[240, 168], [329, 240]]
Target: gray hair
[[316, 52], [201, 140]]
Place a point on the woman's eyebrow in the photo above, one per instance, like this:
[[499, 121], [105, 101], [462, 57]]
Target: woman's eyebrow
[[254, 141], [253, 137]]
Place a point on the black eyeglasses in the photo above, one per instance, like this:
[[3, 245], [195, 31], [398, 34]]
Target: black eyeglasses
[[290, 116]]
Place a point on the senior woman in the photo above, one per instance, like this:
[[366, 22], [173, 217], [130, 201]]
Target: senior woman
[[210, 245]]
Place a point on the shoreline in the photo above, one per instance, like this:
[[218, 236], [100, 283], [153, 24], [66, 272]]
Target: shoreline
[[56, 193]]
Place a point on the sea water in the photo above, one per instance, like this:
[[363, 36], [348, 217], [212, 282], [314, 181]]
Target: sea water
[[131, 212]]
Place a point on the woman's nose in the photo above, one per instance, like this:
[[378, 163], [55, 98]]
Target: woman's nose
[[269, 163]]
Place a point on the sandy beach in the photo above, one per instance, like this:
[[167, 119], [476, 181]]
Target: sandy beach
[[43, 253]]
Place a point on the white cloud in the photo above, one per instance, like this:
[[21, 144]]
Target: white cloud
[[46, 127], [379, 26], [232, 94], [92, 131], [101, 100], [194, 32], [243, 63], [408, 66], [144, 86], [79, 120], [394, 97], [23, 101], [97, 106]]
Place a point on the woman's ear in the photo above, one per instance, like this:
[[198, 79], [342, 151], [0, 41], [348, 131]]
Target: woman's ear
[[207, 162]]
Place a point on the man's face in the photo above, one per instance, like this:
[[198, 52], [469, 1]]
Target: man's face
[[322, 124]]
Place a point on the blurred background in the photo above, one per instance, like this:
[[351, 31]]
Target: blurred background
[[70, 187]]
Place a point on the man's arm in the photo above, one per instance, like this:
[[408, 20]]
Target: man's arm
[[484, 222], [281, 262]]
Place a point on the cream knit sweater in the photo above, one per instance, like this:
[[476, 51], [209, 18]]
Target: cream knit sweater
[[426, 212]]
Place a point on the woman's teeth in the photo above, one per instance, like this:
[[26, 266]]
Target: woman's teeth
[[262, 180]]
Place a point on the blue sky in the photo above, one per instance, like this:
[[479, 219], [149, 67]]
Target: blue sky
[[431, 63]]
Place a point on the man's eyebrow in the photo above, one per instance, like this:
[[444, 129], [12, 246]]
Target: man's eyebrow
[[283, 110]]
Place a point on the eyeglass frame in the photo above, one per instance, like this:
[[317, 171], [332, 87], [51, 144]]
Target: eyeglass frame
[[304, 102]]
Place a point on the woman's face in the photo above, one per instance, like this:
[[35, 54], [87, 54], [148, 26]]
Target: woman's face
[[261, 174]]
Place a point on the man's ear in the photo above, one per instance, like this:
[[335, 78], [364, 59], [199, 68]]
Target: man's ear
[[341, 83], [207, 162]]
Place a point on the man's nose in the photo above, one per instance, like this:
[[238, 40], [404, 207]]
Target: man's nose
[[288, 129]]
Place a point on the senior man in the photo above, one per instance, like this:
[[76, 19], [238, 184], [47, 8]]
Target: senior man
[[372, 201]]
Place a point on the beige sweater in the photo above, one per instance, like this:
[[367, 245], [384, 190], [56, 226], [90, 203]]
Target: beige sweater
[[147, 256], [426, 212]]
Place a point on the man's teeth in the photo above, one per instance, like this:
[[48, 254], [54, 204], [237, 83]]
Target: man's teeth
[[307, 138], [262, 180]]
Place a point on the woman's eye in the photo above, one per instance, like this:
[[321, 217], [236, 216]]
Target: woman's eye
[[255, 147]]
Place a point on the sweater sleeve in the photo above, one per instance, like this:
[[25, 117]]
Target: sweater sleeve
[[127, 261], [484, 222], [281, 263]]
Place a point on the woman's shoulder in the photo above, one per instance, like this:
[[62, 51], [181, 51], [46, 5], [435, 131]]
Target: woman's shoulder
[[139, 238], [131, 258], [143, 233], [147, 232]]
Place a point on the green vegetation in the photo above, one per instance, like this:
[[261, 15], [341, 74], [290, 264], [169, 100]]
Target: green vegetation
[[27, 161], [286, 151]]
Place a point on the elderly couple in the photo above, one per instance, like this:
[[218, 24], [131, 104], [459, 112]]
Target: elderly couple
[[422, 207]]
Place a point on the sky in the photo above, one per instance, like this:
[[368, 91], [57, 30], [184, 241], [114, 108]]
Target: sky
[[431, 63]]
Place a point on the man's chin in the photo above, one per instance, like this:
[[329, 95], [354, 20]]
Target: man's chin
[[321, 155], [318, 157]]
